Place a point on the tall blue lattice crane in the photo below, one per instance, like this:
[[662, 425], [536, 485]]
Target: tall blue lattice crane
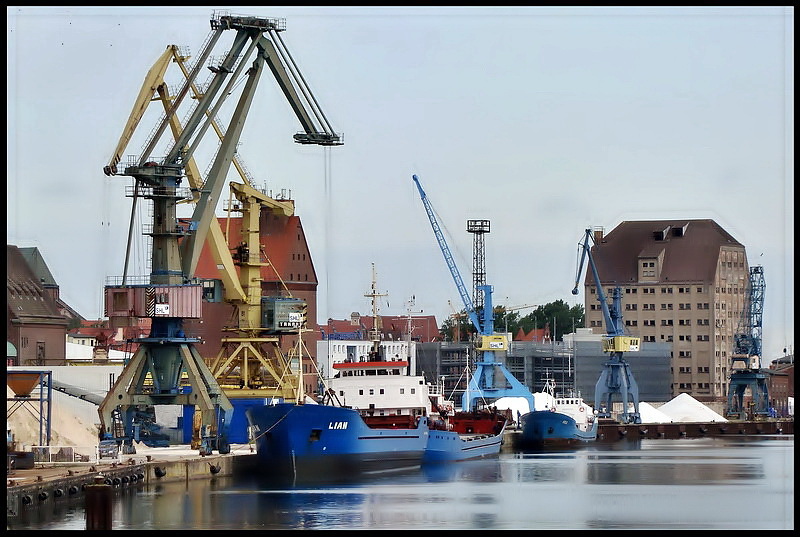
[[485, 383], [747, 349], [617, 377]]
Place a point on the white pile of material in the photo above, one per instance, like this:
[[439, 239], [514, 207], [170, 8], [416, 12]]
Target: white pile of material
[[651, 414], [516, 404], [685, 408]]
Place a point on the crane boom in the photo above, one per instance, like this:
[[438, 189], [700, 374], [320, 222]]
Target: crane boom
[[616, 377], [448, 258], [485, 383]]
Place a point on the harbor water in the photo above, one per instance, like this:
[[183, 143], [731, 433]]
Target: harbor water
[[719, 483]]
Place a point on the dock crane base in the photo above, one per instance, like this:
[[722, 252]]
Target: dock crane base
[[740, 381], [617, 379], [138, 386], [479, 390]]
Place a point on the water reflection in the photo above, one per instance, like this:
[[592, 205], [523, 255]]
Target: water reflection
[[666, 484]]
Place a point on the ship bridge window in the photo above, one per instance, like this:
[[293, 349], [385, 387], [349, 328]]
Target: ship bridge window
[[370, 372], [395, 371], [383, 372]]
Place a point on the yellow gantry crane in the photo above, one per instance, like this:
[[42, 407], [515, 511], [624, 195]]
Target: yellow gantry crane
[[157, 371]]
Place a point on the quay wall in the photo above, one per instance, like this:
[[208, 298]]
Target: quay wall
[[55, 483]]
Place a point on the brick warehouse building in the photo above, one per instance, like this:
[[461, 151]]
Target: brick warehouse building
[[684, 282]]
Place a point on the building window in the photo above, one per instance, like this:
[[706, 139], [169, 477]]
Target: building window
[[360, 392], [371, 391]]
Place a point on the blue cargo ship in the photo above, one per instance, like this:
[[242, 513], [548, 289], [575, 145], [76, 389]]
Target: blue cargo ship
[[324, 442], [563, 422], [313, 442], [374, 417]]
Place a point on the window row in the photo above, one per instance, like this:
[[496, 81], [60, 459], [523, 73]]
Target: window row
[[380, 391]]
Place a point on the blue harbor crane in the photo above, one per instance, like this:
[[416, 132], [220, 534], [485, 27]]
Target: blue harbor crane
[[485, 383], [747, 349], [616, 377]]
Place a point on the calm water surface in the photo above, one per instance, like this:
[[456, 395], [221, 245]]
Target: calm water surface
[[710, 483]]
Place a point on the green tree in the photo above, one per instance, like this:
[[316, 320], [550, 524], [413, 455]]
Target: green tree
[[561, 318]]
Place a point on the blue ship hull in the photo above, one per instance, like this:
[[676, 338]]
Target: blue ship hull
[[449, 446], [324, 443], [543, 428], [321, 443]]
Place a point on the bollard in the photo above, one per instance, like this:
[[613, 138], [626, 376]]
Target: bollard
[[98, 505]]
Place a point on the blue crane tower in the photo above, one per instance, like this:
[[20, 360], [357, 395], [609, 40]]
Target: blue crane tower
[[485, 383], [747, 349], [616, 377]]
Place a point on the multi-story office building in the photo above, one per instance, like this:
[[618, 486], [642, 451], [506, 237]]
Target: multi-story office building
[[683, 282]]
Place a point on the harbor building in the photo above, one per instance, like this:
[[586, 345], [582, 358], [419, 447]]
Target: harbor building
[[37, 319], [685, 283]]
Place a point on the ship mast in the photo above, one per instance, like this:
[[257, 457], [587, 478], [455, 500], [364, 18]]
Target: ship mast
[[375, 332]]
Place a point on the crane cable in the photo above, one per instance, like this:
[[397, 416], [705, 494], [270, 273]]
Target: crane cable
[[327, 190]]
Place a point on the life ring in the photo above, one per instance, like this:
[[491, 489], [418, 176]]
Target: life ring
[[552, 409], [581, 409]]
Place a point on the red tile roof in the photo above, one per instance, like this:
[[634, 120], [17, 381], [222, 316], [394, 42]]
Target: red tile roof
[[424, 327]]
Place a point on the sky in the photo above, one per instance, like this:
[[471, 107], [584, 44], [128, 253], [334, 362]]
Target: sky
[[545, 121]]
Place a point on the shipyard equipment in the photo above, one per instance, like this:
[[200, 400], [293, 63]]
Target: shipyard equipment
[[616, 377], [746, 357], [485, 383], [167, 369]]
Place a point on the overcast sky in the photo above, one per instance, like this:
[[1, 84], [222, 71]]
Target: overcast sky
[[544, 121]]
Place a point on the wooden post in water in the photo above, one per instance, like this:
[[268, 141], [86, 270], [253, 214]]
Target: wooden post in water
[[98, 505]]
